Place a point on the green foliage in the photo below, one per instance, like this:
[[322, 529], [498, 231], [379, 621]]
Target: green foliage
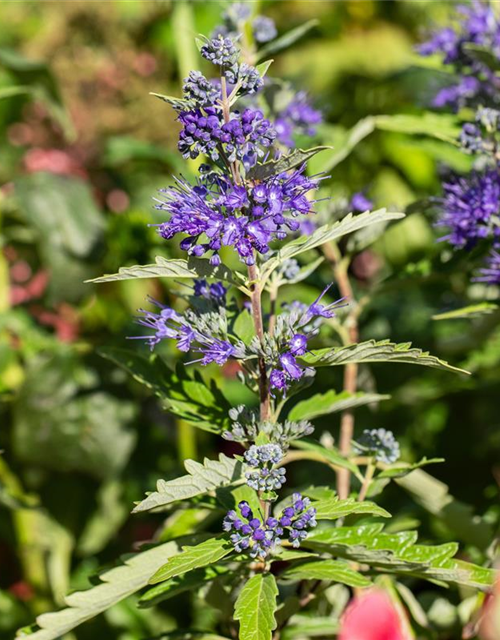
[[331, 570], [201, 555], [295, 159], [201, 478], [256, 606], [332, 402], [377, 351], [326, 233], [189, 398]]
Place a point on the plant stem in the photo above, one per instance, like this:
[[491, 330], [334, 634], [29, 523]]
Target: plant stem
[[333, 256], [259, 331], [370, 470]]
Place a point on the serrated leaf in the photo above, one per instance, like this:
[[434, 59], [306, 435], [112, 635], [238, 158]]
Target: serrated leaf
[[333, 570], [399, 470], [201, 478], [117, 584], [471, 311], [180, 584], [255, 607], [163, 268], [398, 553], [329, 456], [332, 402], [287, 39], [376, 351], [285, 163], [189, 398], [201, 555], [179, 104], [327, 233], [333, 509]]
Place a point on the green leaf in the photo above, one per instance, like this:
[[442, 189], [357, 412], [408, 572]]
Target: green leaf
[[88, 430], [179, 104], [188, 582], [303, 626], [471, 311], [191, 399], [244, 328], [255, 607], [434, 496], [482, 54], [329, 456], [443, 126], [400, 470], [68, 227], [334, 508], [263, 67], [331, 402], [285, 163], [327, 233], [376, 351], [117, 584], [334, 570], [163, 268], [37, 77], [201, 555], [398, 553], [201, 478], [287, 39]]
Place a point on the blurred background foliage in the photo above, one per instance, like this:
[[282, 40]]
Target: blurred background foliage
[[84, 148]]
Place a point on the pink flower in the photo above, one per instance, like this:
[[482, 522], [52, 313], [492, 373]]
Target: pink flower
[[373, 616]]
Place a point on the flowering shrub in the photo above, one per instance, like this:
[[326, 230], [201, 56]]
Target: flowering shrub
[[268, 551]]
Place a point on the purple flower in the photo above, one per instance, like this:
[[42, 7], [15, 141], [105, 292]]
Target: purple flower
[[277, 379], [259, 538], [316, 309], [218, 351], [298, 344], [199, 90], [245, 137], [264, 29], [490, 274], [468, 205], [360, 203], [220, 51], [298, 117], [290, 366], [216, 213]]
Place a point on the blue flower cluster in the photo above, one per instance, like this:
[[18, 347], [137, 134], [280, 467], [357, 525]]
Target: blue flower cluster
[[234, 18], [200, 332], [245, 137], [478, 25], [292, 335], [490, 274], [298, 117], [264, 476], [469, 207], [257, 538], [379, 443], [216, 213]]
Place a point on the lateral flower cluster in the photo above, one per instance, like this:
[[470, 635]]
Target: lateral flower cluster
[[294, 328], [217, 213], [478, 25], [259, 537]]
